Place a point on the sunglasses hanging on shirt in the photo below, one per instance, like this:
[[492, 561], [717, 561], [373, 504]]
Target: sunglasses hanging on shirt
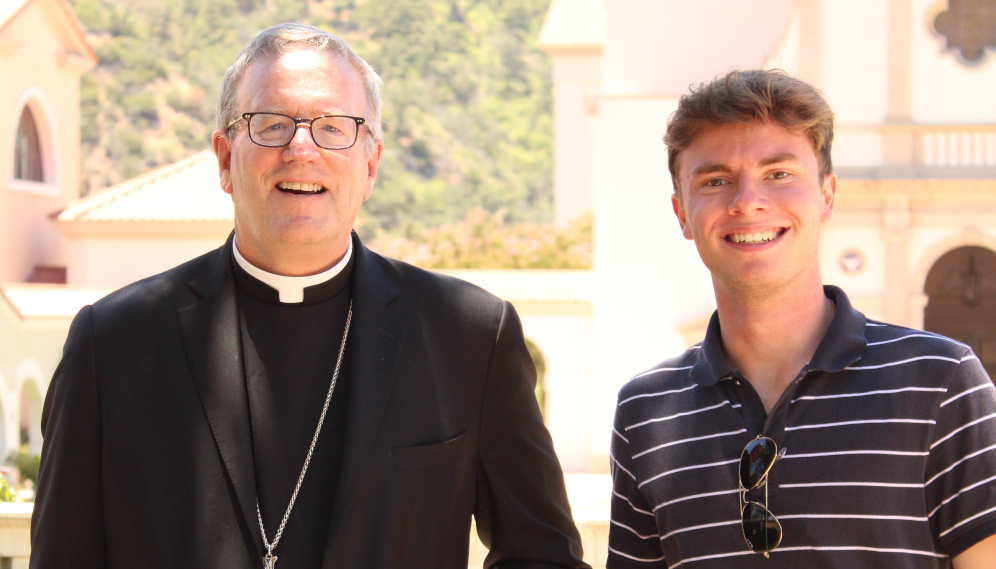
[[762, 532]]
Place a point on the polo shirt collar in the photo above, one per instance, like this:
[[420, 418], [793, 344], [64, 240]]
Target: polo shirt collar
[[840, 347]]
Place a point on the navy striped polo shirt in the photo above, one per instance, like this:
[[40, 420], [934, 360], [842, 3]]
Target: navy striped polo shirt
[[890, 438]]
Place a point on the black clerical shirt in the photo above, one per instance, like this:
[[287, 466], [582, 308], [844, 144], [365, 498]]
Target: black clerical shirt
[[290, 352]]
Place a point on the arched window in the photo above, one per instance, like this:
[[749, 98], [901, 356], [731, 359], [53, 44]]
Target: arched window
[[27, 149]]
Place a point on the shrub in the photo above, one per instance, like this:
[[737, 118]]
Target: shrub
[[483, 241]]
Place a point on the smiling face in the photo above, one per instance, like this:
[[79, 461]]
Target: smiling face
[[752, 198], [295, 205]]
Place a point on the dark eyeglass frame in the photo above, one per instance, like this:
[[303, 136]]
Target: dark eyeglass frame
[[360, 121], [756, 521]]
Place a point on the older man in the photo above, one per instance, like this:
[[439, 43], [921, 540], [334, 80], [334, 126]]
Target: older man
[[798, 433], [293, 400]]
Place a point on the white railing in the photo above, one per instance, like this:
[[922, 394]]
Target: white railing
[[956, 147]]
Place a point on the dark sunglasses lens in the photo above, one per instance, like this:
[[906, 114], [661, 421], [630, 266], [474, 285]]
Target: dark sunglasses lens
[[761, 530], [757, 458]]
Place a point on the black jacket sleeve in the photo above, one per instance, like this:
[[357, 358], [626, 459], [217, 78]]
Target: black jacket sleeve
[[67, 524], [522, 511]]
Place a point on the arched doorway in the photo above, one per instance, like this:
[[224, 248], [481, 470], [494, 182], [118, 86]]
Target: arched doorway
[[961, 291]]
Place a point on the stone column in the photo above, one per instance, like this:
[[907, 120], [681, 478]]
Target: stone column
[[896, 232]]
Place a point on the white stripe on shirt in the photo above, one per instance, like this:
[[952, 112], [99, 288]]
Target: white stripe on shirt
[[658, 394], [959, 493], [636, 533], [635, 509], [833, 484], [844, 452], [617, 433], [851, 517], [861, 422], [857, 548], [956, 463], [669, 417], [698, 527], [986, 385], [815, 548], [627, 556], [962, 428], [693, 439], [908, 336], [694, 496], [623, 468], [863, 393], [684, 468], [966, 520], [901, 362]]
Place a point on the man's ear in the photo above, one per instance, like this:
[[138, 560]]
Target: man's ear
[[829, 197], [223, 150], [373, 162], [679, 212]]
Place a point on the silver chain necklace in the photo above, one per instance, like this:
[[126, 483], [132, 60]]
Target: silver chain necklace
[[270, 558]]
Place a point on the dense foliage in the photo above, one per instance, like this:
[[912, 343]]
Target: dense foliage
[[467, 96], [483, 240]]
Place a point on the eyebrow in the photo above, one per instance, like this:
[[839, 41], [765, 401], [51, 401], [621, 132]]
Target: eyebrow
[[778, 158], [323, 112], [710, 168], [713, 167]]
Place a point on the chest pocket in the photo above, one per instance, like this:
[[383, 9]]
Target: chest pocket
[[427, 457]]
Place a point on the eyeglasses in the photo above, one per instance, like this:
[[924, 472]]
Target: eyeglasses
[[332, 132], [762, 532]]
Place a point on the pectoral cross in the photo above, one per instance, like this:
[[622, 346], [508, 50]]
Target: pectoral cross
[[269, 560]]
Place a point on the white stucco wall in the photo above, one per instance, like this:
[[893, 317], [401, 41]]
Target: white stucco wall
[[29, 352], [563, 333], [942, 88], [34, 77], [115, 262], [577, 79]]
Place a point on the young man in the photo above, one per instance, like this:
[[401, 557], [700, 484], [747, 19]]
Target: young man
[[878, 443]]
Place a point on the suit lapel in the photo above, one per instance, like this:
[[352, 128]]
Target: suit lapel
[[210, 329], [377, 340]]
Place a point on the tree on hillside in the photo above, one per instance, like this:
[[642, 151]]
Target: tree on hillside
[[467, 95]]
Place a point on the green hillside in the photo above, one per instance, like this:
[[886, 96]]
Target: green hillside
[[467, 96]]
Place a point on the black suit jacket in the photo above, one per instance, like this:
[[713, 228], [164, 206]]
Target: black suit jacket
[[148, 460]]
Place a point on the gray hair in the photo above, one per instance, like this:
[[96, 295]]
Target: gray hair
[[280, 39]]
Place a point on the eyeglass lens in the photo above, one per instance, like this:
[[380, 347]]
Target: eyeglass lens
[[277, 130], [755, 462], [761, 530]]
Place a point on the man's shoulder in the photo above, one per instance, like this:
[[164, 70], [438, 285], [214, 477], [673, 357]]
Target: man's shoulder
[[435, 291], [164, 291], [673, 374], [892, 342]]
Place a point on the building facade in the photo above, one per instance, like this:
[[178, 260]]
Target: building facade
[[913, 85]]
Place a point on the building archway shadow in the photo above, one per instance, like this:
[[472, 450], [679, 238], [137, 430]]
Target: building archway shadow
[[961, 293]]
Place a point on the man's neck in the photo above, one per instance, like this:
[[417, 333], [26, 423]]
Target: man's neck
[[295, 261], [769, 339]]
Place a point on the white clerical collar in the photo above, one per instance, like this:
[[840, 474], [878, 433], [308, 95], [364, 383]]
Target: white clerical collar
[[291, 289]]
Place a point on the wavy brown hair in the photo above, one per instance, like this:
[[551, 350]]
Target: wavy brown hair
[[753, 96]]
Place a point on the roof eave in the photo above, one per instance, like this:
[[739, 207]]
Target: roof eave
[[155, 229]]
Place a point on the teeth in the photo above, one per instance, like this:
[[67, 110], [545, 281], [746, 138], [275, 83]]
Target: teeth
[[298, 186], [758, 237]]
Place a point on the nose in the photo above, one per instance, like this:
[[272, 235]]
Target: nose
[[302, 145], [748, 197]]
